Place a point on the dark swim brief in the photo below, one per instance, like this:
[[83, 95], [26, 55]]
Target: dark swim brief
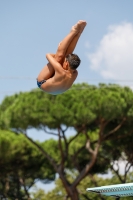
[[40, 83]]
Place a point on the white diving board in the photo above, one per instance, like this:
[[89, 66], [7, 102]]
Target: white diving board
[[120, 190]]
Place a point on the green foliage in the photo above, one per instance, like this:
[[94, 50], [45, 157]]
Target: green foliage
[[82, 105], [21, 164], [38, 194], [58, 193], [101, 116]]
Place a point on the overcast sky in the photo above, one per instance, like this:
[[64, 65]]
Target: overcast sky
[[31, 28]]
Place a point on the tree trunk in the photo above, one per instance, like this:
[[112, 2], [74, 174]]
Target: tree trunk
[[74, 195]]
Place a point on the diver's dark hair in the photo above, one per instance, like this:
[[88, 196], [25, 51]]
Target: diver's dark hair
[[74, 60]]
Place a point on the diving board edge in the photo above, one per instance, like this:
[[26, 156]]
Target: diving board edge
[[119, 190]]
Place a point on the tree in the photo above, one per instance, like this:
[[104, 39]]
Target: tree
[[58, 192], [100, 114], [21, 165]]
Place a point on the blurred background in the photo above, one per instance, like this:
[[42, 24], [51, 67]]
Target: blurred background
[[30, 29]]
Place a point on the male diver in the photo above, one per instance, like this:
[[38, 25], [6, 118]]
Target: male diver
[[60, 72]]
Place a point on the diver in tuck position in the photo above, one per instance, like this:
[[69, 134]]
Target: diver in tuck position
[[60, 72]]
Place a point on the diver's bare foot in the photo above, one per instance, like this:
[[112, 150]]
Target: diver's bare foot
[[82, 25], [79, 27], [76, 27]]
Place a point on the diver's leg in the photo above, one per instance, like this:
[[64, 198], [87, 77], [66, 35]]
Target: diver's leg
[[48, 71], [66, 46], [63, 46], [73, 43]]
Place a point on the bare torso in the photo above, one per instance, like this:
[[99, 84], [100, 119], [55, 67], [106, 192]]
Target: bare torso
[[59, 83]]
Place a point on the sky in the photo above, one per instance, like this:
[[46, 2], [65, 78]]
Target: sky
[[30, 29]]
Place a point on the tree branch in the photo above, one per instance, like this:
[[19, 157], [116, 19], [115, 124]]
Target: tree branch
[[117, 173], [51, 133], [61, 150], [90, 150], [123, 136], [85, 196], [53, 163], [114, 130], [79, 131], [66, 143], [127, 168], [50, 159], [87, 167], [73, 138], [74, 158], [64, 129], [22, 181]]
